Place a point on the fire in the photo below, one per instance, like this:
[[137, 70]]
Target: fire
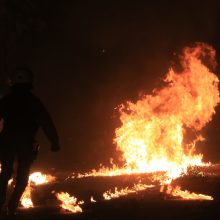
[[125, 191], [92, 199], [151, 137], [36, 178], [69, 202], [26, 198], [177, 192]]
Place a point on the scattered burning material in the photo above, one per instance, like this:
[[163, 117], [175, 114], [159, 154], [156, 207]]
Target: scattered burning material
[[69, 202], [123, 192], [177, 192], [38, 178], [35, 179], [92, 199]]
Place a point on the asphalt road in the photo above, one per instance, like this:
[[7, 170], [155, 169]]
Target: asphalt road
[[149, 204]]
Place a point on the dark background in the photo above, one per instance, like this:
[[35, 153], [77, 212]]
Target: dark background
[[90, 56]]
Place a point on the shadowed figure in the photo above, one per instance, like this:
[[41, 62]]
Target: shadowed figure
[[22, 114]]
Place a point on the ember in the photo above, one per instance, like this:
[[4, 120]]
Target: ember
[[152, 131]]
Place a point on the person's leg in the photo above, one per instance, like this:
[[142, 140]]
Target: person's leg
[[23, 169], [7, 161]]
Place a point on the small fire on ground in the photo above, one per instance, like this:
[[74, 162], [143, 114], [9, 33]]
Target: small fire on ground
[[35, 179], [125, 191], [177, 192], [69, 202]]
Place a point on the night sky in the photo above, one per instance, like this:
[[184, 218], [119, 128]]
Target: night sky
[[90, 56]]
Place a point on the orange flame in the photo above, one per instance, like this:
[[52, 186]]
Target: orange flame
[[92, 199], [152, 132], [69, 202], [36, 178], [151, 137], [125, 191], [186, 195], [26, 198]]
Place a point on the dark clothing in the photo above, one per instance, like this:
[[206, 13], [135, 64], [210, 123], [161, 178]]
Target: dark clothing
[[23, 114]]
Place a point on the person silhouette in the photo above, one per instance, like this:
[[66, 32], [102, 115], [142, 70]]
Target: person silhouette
[[21, 114]]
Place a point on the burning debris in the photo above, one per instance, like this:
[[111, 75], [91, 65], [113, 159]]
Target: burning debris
[[177, 192], [26, 198], [152, 132], [69, 202], [123, 192], [92, 199], [38, 178], [35, 179], [151, 137]]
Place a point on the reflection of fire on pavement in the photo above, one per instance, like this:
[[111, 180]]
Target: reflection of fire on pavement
[[153, 133]]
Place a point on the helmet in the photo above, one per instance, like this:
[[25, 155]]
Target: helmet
[[21, 76]]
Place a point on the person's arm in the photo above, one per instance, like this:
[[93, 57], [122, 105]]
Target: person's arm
[[48, 127]]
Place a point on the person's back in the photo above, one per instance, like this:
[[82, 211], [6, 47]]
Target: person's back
[[19, 111], [22, 114]]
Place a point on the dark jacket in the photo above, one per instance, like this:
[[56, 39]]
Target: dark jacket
[[23, 114]]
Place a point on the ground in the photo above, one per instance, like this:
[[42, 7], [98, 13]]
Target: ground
[[150, 204], [131, 209]]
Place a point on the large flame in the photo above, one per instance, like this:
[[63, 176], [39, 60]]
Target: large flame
[[152, 136], [186, 195], [37, 178], [26, 200], [152, 132], [92, 199]]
